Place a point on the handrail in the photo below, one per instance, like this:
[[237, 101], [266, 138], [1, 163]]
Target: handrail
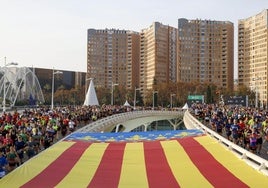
[[253, 160]]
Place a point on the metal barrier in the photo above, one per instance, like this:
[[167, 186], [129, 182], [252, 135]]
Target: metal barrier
[[253, 160]]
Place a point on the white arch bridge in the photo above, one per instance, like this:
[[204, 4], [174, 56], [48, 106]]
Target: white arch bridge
[[136, 121], [19, 84]]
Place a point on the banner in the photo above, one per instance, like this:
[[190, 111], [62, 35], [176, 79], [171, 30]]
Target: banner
[[195, 99], [236, 100]]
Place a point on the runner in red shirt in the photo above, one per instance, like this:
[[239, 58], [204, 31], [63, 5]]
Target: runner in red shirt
[[241, 135]]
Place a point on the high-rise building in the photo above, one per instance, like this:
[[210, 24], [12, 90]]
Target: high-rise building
[[133, 60], [252, 55], [206, 52], [158, 55], [113, 57]]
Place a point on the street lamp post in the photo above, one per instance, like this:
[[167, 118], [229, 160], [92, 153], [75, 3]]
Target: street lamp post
[[4, 82], [135, 96], [171, 104], [153, 97], [112, 95], [52, 92]]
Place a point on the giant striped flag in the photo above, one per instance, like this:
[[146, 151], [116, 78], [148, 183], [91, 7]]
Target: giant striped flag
[[185, 161]]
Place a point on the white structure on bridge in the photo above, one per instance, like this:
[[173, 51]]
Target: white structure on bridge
[[134, 119]]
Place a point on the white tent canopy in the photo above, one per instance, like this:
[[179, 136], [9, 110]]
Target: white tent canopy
[[126, 103], [91, 97], [185, 107]]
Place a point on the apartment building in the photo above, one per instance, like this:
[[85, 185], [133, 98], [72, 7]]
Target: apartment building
[[252, 55], [206, 52], [113, 57], [158, 55], [133, 60]]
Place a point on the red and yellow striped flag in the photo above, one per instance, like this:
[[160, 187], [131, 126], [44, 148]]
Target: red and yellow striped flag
[[182, 162]]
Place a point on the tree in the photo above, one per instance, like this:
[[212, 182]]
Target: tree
[[209, 98], [103, 95], [47, 93], [119, 95], [47, 87], [130, 96]]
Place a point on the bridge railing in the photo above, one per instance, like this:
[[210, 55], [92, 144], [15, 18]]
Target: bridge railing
[[253, 160], [101, 124]]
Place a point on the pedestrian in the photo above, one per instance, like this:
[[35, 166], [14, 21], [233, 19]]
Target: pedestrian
[[3, 164], [235, 132]]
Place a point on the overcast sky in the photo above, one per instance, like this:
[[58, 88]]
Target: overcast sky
[[53, 33]]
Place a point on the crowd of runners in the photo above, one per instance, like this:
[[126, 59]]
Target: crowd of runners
[[23, 134], [245, 126]]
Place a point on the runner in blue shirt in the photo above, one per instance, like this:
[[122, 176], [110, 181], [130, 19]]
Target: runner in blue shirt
[[235, 131], [3, 165]]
